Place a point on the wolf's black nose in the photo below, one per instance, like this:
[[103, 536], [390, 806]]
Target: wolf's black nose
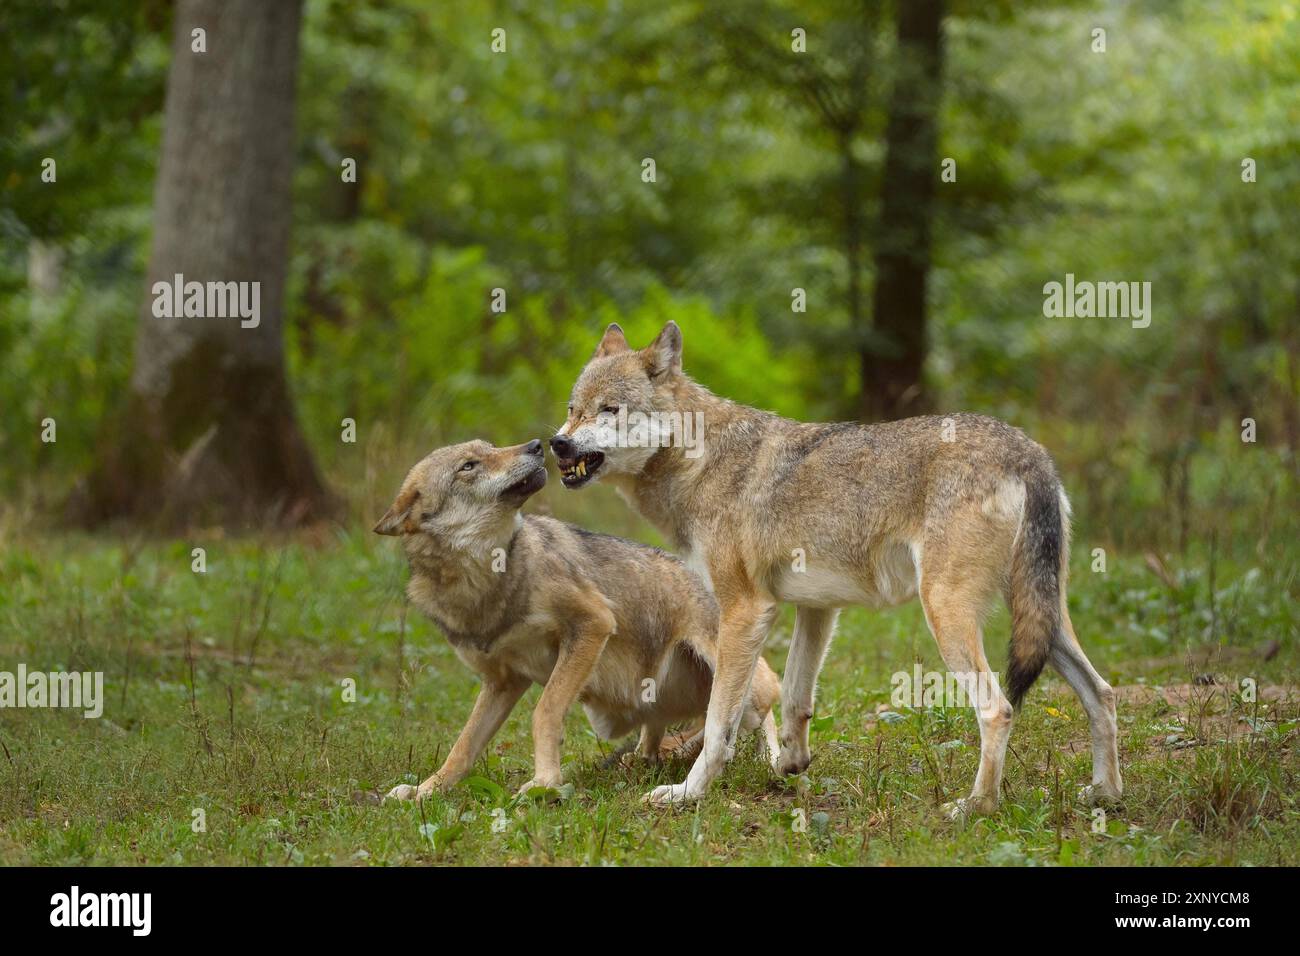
[[562, 445], [534, 447]]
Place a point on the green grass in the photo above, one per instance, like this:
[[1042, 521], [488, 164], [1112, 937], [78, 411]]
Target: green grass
[[224, 693]]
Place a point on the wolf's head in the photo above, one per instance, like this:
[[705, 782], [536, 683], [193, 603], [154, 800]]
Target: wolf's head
[[466, 496], [616, 421]]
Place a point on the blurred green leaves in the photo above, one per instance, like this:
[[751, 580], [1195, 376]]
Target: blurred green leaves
[[521, 171]]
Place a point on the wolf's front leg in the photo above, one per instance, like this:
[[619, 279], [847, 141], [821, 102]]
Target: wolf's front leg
[[743, 628], [579, 651], [813, 628], [495, 700]]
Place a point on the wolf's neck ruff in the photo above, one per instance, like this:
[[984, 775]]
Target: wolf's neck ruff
[[729, 428], [471, 594]]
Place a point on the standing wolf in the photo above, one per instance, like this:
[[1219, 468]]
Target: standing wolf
[[768, 510]]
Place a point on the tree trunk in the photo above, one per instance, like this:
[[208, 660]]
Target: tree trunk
[[892, 366], [854, 238], [207, 433]]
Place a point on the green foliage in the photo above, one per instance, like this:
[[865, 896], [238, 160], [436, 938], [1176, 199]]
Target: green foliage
[[437, 364], [65, 360], [85, 93], [522, 171]]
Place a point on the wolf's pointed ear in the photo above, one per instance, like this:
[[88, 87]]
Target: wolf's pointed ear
[[664, 354], [612, 342], [396, 518]]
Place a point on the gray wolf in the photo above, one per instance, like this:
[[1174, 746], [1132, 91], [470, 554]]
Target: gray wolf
[[624, 628], [956, 510]]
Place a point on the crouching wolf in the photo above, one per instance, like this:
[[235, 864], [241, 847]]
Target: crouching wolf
[[955, 509], [622, 627]]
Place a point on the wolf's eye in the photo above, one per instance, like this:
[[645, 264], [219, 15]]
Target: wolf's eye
[[609, 410], [468, 466]]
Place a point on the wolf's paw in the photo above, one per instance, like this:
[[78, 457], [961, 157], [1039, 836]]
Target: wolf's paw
[[539, 783], [675, 793], [632, 759], [1098, 795], [956, 810], [407, 792], [791, 762], [964, 808]]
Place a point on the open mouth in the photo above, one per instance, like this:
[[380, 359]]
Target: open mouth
[[576, 472], [527, 485]]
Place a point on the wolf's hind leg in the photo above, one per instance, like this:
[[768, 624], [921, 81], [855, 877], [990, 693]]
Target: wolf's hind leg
[[764, 692], [771, 742], [813, 628], [1099, 701], [684, 745], [647, 747], [954, 601], [756, 719]]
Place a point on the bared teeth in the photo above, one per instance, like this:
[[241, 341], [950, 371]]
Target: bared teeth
[[577, 470]]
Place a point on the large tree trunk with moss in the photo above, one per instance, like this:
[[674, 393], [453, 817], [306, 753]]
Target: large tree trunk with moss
[[207, 433], [892, 384]]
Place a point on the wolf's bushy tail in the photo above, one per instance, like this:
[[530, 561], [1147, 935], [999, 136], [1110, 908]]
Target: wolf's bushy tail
[[1036, 570]]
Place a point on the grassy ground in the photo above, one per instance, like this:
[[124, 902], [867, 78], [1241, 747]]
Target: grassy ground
[[225, 694]]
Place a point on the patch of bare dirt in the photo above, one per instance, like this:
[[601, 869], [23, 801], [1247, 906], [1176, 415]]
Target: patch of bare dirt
[[1190, 715], [1180, 696]]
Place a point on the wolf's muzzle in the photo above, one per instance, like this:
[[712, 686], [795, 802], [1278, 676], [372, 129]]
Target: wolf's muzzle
[[562, 446], [528, 485]]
